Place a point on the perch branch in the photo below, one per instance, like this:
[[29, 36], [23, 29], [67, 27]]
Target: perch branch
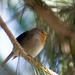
[[22, 51]]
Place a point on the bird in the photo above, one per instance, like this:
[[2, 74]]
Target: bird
[[32, 42]]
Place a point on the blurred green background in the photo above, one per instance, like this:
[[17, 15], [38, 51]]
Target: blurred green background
[[19, 21]]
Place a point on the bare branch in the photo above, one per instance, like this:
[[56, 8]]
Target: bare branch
[[22, 51]]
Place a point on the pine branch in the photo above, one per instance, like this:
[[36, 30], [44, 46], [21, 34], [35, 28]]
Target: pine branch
[[22, 51], [50, 19]]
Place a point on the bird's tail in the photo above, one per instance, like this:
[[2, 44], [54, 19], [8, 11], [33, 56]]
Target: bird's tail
[[11, 54]]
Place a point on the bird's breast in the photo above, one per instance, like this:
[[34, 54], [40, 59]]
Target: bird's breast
[[33, 46]]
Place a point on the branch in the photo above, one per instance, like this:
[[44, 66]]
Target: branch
[[48, 16], [22, 51]]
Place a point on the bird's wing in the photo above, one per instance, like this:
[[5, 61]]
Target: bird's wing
[[21, 37], [26, 35]]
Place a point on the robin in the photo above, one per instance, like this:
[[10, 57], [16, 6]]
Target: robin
[[32, 41]]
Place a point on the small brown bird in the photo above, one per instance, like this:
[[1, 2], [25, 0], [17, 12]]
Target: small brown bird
[[32, 41]]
